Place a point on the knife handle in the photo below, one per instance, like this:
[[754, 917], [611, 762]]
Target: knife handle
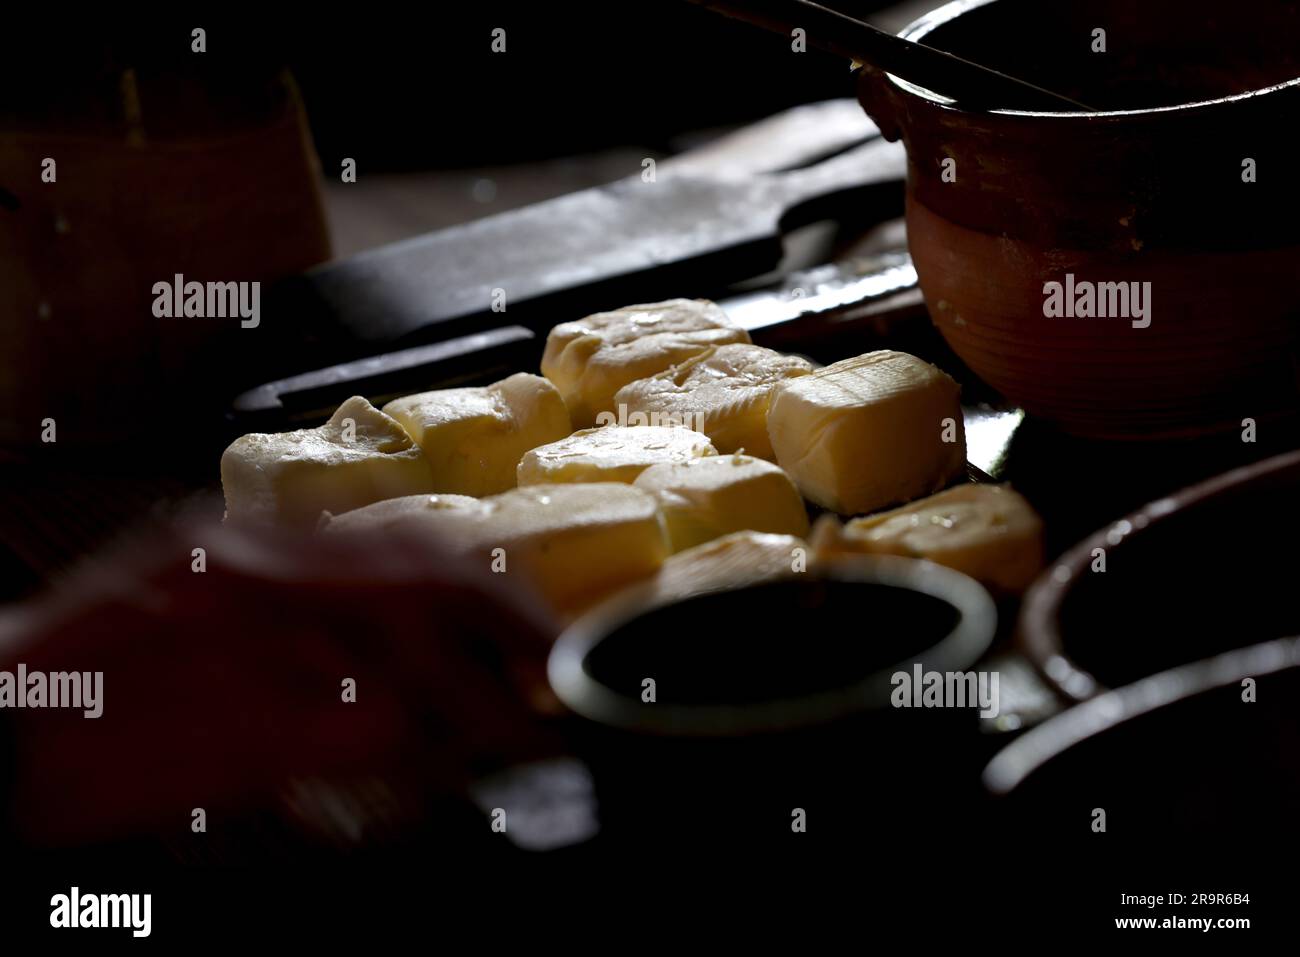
[[874, 163]]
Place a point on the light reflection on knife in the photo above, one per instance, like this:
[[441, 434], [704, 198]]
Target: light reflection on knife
[[836, 288]]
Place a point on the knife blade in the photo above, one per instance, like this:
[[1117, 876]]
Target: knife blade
[[584, 251], [879, 285]]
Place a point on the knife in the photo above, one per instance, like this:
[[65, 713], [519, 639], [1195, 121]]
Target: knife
[[782, 314], [704, 221]]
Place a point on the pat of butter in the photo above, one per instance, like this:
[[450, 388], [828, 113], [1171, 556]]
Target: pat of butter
[[611, 454], [590, 360], [705, 498], [358, 457], [867, 432], [398, 512], [475, 437], [989, 532], [733, 561], [723, 392], [572, 544]]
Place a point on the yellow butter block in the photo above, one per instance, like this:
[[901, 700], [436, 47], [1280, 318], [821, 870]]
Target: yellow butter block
[[734, 561], [611, 454], [705, 498], [475, 437], [398, 512], [590, 360], [288, 478], [988, 532], [571, 544], [867, 432], [723, 392]]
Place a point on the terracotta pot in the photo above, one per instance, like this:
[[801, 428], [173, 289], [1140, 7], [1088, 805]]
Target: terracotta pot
[[1149, 189], [1186, 760], [200, 182], [1188, 576]]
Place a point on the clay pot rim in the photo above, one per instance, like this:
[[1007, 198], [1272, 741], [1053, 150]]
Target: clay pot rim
[[955, 8], [1056, 737], [958, 649], [1039, 625]]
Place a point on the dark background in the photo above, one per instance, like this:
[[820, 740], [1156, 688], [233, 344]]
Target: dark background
[[407, 86]]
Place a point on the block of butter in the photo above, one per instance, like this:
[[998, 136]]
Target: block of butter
[[702, 499], [590, 360], [571, 544], [611, 454], [475, 437], [989, 532], [733, 561], [723, 392], [288, 478], [408, 510], [867, 432]]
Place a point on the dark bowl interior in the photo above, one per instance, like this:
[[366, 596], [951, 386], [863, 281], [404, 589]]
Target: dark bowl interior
[[1216, 575], [776, 697], [1158, 52], [1209, 772], [769, 642]]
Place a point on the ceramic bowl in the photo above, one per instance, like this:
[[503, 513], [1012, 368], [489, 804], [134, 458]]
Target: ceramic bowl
[[1180, 182]]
